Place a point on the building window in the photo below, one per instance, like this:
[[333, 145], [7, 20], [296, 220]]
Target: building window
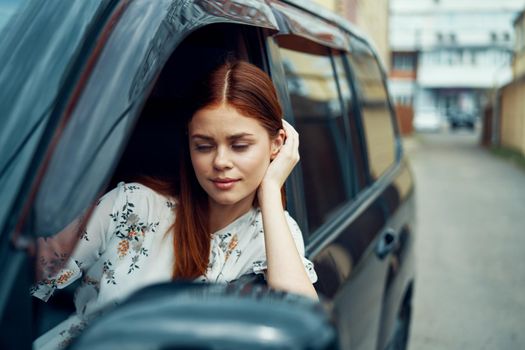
[[403, 61], [493, 37], [473, 59], [403, 100]]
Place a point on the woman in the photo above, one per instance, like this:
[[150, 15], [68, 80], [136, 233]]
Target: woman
[[226, 220]]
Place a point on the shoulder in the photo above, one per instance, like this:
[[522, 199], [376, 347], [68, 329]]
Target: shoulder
[[138, 196], [139, 189]]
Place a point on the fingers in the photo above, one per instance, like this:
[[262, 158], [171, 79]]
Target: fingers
[[291, 140], [289, 129], [285, 159]]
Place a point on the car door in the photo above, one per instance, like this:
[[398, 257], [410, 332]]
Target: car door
[[345, 215], [389, 175], [389, 170], [81, 100]]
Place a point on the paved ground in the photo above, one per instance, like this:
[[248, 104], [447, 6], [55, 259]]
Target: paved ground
[[470, 288]]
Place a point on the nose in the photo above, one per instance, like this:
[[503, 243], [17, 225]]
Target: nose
[[222, 159]]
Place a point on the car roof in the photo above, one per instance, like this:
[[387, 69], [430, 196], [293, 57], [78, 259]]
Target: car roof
[[332, 17]]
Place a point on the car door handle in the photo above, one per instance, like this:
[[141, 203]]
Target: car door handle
[[387, 242]]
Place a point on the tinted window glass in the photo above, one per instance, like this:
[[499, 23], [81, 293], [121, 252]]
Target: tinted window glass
[[101, 122], [323, 146], [357, 172], [36, 47], [8, 8], [377, 119]]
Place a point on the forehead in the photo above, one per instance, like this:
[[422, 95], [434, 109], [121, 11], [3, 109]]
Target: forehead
[[223, 121]]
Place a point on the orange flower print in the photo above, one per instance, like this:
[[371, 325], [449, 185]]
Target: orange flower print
[[132, 234], [64, 277], [233, 243], [123, 248]]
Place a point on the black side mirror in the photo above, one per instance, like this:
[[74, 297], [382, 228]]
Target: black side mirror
[[211, 316]]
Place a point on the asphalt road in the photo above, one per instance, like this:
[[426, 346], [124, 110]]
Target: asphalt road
[[470, 283]]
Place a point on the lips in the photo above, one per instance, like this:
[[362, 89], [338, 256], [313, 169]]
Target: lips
[[224, 183]]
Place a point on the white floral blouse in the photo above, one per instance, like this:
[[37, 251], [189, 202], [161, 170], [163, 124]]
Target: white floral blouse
[[125, 247]]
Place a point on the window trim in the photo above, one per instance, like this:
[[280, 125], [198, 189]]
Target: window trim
[[296, 178], [398, 152], [364, 192], [304, 25]]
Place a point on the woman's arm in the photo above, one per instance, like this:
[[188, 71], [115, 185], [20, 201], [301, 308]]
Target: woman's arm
[[285, 265], [61, 258]]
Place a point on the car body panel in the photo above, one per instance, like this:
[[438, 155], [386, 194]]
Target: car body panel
[[458, 118]]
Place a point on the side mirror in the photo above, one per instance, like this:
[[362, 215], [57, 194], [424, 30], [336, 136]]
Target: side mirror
[[211, 316]]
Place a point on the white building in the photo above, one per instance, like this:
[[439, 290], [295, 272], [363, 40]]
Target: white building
[[458, 50]]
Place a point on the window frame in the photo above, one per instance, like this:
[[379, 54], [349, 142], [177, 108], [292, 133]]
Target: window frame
[[295, 182], [390, 107]]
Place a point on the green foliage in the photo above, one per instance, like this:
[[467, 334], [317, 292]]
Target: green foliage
[[510, 154]]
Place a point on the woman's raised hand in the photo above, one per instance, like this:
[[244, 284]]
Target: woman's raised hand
[[285, 160], [285, 266]]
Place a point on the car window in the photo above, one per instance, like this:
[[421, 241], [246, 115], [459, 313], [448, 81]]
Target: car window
[[352, 121], [36, 47], [105, 117], [318, 116], [8, 9], [99, 125], [376, 115]]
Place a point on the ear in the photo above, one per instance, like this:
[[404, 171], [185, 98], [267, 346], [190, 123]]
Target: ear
[[277, 143]]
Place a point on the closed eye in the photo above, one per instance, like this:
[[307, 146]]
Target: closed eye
[[239, 147], [203, 148]]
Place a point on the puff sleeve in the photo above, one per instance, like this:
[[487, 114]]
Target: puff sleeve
[[62, 258]]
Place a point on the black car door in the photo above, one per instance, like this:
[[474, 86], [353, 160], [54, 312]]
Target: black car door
[[343, 154], [389, 171]]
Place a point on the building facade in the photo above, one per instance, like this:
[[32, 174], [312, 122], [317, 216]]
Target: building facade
[[509, 119], [447, 55], [369, 16], [518, 62]]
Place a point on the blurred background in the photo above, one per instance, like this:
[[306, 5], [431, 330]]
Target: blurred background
[[457, 78]]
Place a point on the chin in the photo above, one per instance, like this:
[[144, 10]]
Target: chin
[[228, 199], [225, 201]]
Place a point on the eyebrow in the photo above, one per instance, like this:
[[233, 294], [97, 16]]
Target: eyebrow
[[231, 137]]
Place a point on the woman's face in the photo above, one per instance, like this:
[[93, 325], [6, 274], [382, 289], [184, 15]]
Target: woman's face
[[230, 154]]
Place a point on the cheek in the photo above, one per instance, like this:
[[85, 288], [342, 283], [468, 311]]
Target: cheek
[[256, 162], [198, 163]]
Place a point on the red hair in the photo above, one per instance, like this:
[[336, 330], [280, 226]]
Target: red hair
[[250, 91]]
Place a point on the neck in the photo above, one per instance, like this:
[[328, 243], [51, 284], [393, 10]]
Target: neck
[[223, 215]]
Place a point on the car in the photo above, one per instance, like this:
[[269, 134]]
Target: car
[[91, 91], [461, 119], [427, 120]]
